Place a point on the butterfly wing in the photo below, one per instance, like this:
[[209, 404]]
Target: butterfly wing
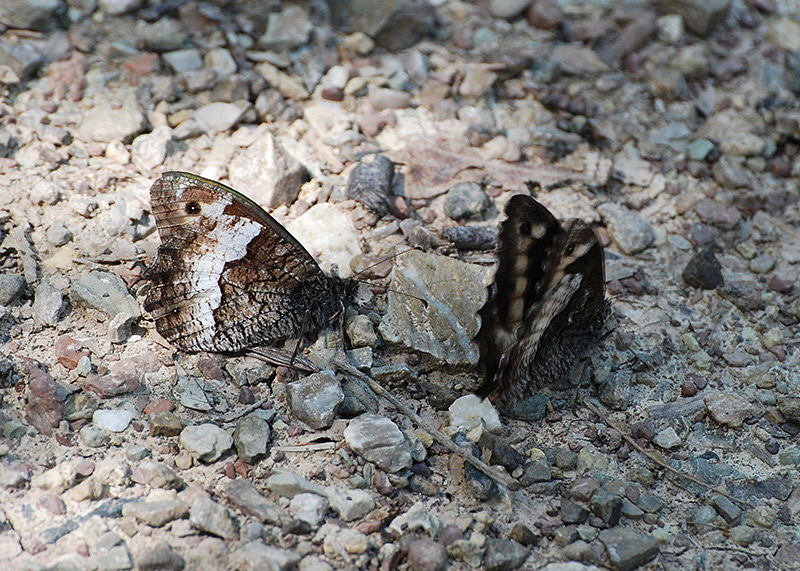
[[227, 275], [548, 301], [526, 238]]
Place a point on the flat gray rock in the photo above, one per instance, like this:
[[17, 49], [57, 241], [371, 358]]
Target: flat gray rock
[[377, 439], [315, 399], [104, 292], [455, 291]]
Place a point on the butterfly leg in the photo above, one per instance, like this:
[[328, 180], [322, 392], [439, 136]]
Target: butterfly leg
[[305, 327]]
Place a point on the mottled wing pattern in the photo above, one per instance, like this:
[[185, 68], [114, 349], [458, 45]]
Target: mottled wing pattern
[[546, 304], [227, 275]]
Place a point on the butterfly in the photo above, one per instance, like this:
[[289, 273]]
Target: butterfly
[[546, 305], [227, 275]]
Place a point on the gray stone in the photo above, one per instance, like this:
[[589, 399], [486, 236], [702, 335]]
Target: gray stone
[[80, 406], [394, 24], [12, 286], [137, 452], [630, 232], [105, 124], [309, 508], [377, 439], [94, 437], [164, 423], [116, 558], [703, 270], [163, 35], [572, 512], [23, 58], [699, 149], [244, 495], [578, 60], [267, 173], [743, 145], [112, 420], [315, 399], [256, 556], [160, 558], [351, 504], [286, 30], [606, 506], [628, 549], [149, 151], [250, 438], [206, 442], [211, 517], [731, 173], [426, 555], [784, 33], [120, 328], [118, 7], [667, 438], [700, 16], [507, 8], [48, 304], [288, 484], [104, 292], [504, 555], [467, 411], [530, 409], [615, 390], [443, 329], [729, 408], [27, 14], [466, 200], [158, 513], [370, 183], [729, 511], [183, 61], [361, 332], [218, 117], [157, 475], [221, 61], [58, 234]]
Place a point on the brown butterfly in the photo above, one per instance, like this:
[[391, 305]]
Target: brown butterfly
[[546, 305], [227, 276]]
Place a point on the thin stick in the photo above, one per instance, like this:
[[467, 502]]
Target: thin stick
[[496, 475], [653, 458]]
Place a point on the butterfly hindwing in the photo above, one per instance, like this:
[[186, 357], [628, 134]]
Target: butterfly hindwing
[[227, 275], [545, 305]]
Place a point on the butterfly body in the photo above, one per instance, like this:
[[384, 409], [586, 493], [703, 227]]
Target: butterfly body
[[227, 275], [546, 305]]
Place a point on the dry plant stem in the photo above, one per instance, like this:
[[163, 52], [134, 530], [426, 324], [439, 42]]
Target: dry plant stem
[[595, 408], [496, 475]]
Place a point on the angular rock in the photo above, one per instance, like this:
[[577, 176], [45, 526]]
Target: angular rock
[[288, 484], [466, 200], [165, 423], [148, 151], [729, 408], [628, 549], [206, 442], [286, 30], [267, 173], [351, 504], [700, 16], [157, 513], [426, 555], [12, 287], [244, 495], [370, 183], [105, 124], [112, 420], [211, 517], [504, 555], [315, 399], [467, 411], [443, 329], [250, 438], [327, 229], [309, 508], [48, 304], [256, 556], [184, 61], [104, 292], [107, 386], [44, 409], [394, 24], [631, 232], [160, 558], [703, 270], [218, 117], [377, 439]]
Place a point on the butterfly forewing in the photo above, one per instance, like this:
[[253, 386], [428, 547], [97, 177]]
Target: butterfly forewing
[[545, 305], [227, 275]]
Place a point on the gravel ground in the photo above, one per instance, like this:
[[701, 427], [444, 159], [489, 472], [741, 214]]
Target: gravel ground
[[673, 126]]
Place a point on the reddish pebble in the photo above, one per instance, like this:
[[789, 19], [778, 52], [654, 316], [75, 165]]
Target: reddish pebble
[[69, 351], [331, 93], [369, 526], [778, 351], [137, 426], [779, 285], [85, 468], [700, 382], [159, 405], [53, 504], [230, 471], [241, 468], [688, 389]]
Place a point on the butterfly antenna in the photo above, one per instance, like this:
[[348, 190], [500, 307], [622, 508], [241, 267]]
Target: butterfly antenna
[[424, 302], [379, 262]]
